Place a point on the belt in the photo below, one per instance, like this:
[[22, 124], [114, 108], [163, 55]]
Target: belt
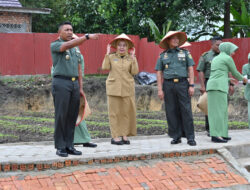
[[176, 79], [66, 78]]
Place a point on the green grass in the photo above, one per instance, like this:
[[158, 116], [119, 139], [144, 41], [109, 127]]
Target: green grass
[[32, 128], [36, 119], [8, 135], [152, 121]]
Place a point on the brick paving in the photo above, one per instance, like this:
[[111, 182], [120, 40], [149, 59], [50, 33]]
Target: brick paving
[[210, 172], [162, 165]]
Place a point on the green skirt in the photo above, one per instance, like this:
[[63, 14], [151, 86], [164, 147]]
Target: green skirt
[[81, 134], [217, 113]]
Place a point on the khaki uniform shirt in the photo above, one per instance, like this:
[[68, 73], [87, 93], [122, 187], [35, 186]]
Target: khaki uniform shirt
[[174, 63], [120, 81], [205, 62], [65, 63]]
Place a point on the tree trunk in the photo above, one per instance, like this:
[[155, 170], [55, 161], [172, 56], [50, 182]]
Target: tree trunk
[[227, 31]]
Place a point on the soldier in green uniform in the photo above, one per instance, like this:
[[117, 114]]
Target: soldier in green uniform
[[174, 67], [246, 72], [204, 67], [81, 135], [66, 87]]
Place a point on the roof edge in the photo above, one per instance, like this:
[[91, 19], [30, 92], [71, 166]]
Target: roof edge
[[25, 10]]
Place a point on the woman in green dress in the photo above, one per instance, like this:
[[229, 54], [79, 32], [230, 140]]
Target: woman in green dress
[[217, 91], [82, 135], [246, 72]]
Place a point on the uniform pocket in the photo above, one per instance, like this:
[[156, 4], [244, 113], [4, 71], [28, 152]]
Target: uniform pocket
[[110, 80]]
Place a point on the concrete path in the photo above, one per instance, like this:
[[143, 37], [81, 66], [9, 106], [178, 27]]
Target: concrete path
[[44, 152], [211, 166]]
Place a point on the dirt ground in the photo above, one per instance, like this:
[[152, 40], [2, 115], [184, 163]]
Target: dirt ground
[[26, 111]]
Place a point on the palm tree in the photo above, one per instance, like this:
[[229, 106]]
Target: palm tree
[[241, 23], [156, 32]]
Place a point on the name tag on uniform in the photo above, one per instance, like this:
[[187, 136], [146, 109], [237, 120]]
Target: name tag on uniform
[[115, 60], [165, 56], [181, 55]]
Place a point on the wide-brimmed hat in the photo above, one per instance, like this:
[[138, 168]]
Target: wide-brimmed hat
[[84, 110], [122, 37], [181, 35]]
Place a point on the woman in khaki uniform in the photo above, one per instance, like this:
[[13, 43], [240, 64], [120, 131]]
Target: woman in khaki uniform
[[120, 89]]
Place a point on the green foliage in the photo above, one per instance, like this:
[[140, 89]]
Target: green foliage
[[156, 32], [37, 119], [20, 127], [241, 23], [47, 23], [7, 135], [196, 17]]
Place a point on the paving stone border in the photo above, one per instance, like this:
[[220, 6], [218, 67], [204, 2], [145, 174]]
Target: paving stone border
[[7, 167]]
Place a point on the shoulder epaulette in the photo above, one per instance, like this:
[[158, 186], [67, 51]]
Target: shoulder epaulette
[[205, 53], [163, 52]]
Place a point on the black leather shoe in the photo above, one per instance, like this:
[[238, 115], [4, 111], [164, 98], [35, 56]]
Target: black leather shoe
[[208, 134], [116, 142], [191, 142], [91, 145], [125, 141], [62, 153], [176, 141], [218, 140], [73, 151], [227, 138]]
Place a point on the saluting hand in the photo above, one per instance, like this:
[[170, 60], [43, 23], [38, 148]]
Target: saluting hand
[[132, 53], [108, 49]]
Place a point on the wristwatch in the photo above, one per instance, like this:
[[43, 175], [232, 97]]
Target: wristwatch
[[87, 36], [191, 85]]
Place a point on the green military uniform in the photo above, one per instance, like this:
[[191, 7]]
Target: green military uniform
[[217, 89], [66, 93], [205, 67], [174, 64], [81, 134], [246, 72]]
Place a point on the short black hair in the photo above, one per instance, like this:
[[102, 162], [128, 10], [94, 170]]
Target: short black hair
[[216, 38], [64, 23]]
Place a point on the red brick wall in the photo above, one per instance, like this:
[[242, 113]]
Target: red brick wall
[[16, 18]]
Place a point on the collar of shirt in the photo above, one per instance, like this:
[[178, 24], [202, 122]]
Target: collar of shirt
[[173, 50]]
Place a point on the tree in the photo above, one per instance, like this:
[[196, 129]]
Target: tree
[[85, 16], [46, 23], [241, 23], [156, 32]]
